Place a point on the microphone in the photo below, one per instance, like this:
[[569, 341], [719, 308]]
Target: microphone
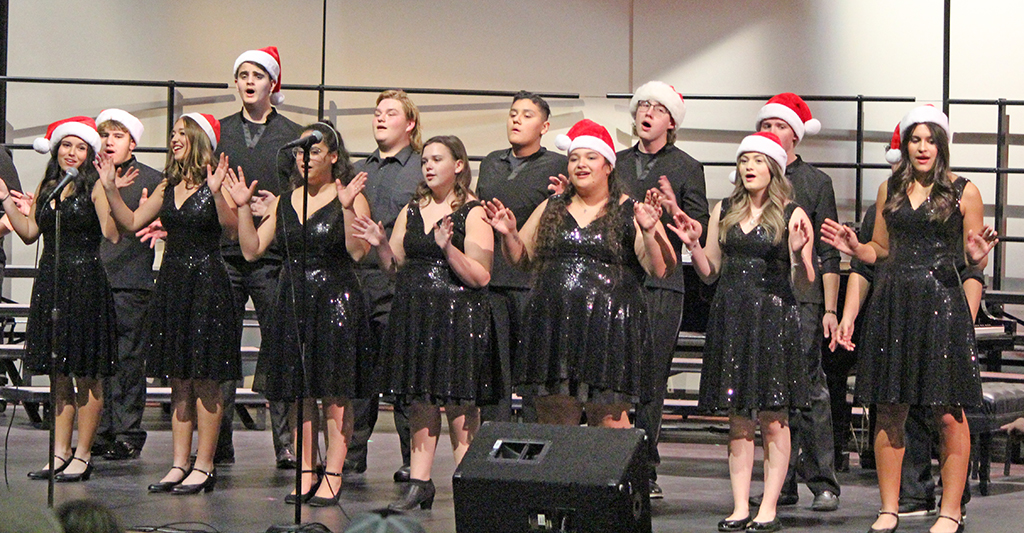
[[306, 142], [69, 175]]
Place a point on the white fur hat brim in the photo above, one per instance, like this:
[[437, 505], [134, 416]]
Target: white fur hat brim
[[923, 114], [126, 119], [74, 129], [564, 142], [782, 112], [664, 94]]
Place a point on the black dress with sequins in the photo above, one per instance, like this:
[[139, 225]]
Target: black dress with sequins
[[190, 323], [586, 327], [918, 343], [438, 347], [338, 361], [86, 340], [752, 357]]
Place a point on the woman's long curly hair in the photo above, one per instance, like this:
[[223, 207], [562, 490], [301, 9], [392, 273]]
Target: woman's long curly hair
[[342, 169], [82, 184], [462, 179], [773, 218], [608, 222], [943, 198], [192, 168]]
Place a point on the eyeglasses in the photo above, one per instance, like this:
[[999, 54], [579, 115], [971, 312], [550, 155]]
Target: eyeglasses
[[644, 105], [314, 152]]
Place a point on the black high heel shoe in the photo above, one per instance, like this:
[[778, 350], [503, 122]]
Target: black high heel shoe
[[166, 486], [291, 498], [205, 486], [419, 493], [317, 501], [886, 530], [63, 477], [959, 523], [45, 473]]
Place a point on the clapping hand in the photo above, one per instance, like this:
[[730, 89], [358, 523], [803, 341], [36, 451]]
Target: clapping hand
[[646, 215], [239, 192], [501, 218], [558, 184], [654, 198], [843, 238], [215, 177], [443, 231], [979, 245], [347, 193], [123, 179], [366, 229], [668, 196], [688, 229], [24, 201]]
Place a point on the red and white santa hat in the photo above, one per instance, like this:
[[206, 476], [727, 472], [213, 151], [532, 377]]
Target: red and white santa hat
[[919, 115], [763, 142], [664, 94], [270, 60], [792, 109], [124, 118], [587, 134], [892, 155], [210, 125], [82, 127]]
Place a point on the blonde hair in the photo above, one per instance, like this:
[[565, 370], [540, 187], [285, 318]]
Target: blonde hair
[[412, 113], [773, 218]]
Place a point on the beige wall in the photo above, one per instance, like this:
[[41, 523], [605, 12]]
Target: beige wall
[[870, 47]]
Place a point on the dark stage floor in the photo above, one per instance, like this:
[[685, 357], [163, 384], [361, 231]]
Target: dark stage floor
[[249, 494]]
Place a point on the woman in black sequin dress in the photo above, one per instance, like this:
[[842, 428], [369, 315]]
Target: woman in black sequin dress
[[759, 243], [337, 364], [190, 320], [437, 349], [586, 324], [918, 345], [84, 337]]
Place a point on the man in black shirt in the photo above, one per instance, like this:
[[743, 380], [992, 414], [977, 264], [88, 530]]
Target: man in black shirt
[[812, 456], [393, 172], [129, 266], [657, 111], [519, 178], [252, 139]]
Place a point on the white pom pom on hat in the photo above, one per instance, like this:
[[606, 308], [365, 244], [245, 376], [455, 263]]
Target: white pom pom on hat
[[82, 127], [270, 60], [892, 155], [792, 109], [664, 94]]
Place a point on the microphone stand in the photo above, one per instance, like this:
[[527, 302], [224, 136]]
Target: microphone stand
[[54, 321], [300, 375]]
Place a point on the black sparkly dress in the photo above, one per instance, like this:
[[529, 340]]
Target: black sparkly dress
[[86, 343], [752, 357], [191, 326], [586, 322], [339, 353], [438, 347], [918, 344]]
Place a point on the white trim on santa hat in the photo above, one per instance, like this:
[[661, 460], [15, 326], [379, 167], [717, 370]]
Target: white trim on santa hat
[[564, 142], [124, 118], [663, 94], [205, 125], [926, 113], [73, 128], [271, 64], [784, 112], [763, 145]]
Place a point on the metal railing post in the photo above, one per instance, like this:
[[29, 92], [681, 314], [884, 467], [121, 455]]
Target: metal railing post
[[858, 203], [1002, 157]]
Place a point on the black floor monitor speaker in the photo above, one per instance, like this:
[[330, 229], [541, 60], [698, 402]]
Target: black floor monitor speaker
[[532, 477]]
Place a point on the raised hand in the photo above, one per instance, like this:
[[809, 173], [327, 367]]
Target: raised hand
[[105, 167], [260, 202], [654, 198], [240, 193], [688, 229], [365, 228], [800, 234], [501, 218], [979, 245], [443, 231], [123, 179], [215, 177], [347, 193], [668, 196], [24, 201], [558, 184], [843, 238], [646, 215]]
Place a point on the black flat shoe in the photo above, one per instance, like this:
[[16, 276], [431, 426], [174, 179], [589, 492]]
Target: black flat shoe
[[318, 501], [291, 498], [205, 486], [734, 525], [419, 493], [887, 530], [45, 473], [166, 486], [63, 477], [959, 523], [762, 527]]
